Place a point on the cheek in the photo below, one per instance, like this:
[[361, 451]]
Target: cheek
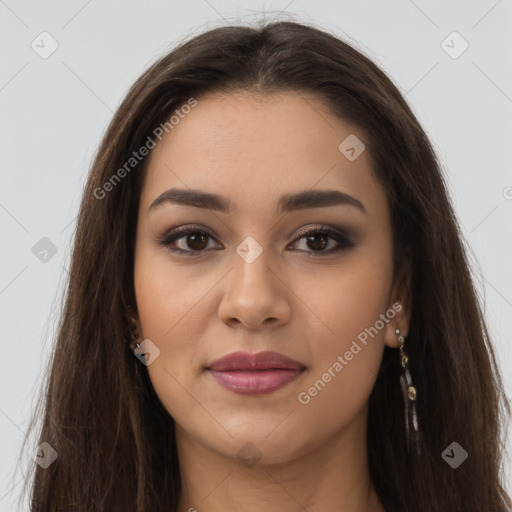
[[172, 313], [349, 312], [171, 301], [171, 306], [343, 301]]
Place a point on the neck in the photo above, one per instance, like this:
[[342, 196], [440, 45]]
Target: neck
[[331, 477]]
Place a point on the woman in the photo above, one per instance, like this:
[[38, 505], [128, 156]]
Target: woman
[[269, 305]]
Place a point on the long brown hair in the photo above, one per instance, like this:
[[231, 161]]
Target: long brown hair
[[114, 439]]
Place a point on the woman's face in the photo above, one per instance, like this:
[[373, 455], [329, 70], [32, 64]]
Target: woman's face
[[249, 277]]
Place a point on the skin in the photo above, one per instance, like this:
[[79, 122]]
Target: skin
[[198, 308]]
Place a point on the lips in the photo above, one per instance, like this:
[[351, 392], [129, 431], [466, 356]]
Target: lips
[[253, 374], [260, 361]]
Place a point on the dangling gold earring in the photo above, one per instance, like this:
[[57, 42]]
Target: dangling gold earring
[[412, 429]]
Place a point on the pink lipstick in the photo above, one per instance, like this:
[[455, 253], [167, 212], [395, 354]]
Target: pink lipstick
[[254, 374]]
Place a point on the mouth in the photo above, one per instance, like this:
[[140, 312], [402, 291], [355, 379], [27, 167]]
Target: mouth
[[254, 374]]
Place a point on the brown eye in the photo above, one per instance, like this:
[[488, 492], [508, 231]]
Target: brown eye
[[186, 240], [196, 241], [316, 241]]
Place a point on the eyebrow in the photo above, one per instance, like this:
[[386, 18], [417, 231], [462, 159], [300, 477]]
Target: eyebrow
[[286, 203]]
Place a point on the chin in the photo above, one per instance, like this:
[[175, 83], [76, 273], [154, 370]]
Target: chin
[[263, 447]]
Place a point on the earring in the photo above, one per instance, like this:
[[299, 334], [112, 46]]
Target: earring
[[134, 338], [412, 430], [134, 329]]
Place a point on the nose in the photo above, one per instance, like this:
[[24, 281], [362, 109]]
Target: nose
[[255, 296]]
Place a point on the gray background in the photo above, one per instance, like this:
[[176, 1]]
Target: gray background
[[55, 110]]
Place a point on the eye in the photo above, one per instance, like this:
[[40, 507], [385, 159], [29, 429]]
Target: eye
[[193, 240], [196, 240], [319, 238]]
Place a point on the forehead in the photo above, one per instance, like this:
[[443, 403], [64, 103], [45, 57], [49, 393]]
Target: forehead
[[256, 148]]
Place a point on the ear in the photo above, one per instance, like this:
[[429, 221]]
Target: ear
[[400, 303], [133, 320]]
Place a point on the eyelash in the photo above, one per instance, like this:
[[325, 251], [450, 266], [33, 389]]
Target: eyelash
[[343, 241]]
